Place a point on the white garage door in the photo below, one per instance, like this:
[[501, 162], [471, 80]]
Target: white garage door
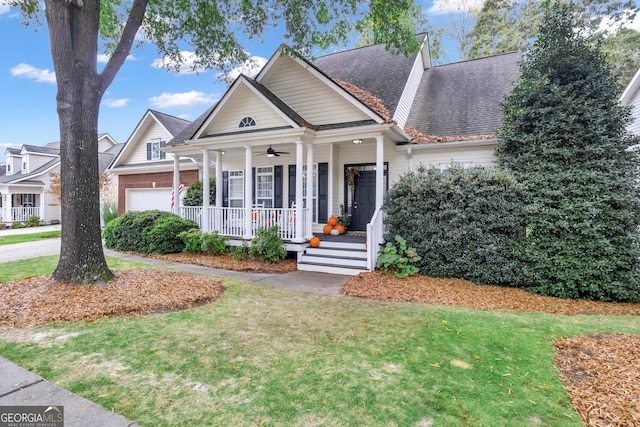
[[148, 199]]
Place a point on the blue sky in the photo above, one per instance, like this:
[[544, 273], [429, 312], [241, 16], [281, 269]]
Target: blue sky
[[27, 83]]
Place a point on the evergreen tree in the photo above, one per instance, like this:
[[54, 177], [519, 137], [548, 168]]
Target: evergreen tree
[[564, 137], [193, 197]]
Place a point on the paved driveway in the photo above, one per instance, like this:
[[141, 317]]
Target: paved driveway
[[26, 250]]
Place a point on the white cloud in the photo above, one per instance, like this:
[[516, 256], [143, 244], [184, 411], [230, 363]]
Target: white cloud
[[181, 100], [251, 67], [4, 8], [612, 27], [103, 58], [186, 66], [31, 72], [115, 103], [441, 7]]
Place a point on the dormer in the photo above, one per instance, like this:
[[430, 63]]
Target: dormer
[[34, 156], [13, 160]]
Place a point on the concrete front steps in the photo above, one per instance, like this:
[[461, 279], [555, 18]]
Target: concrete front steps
[[335, 257]]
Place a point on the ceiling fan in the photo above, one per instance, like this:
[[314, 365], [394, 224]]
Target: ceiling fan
[[271, 152]]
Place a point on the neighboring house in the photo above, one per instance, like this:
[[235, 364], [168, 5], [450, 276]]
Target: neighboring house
[[144, 172], [29, 184], [631, 97], [357, 119]]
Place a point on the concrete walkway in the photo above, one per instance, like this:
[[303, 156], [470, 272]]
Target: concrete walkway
[[21, 387]]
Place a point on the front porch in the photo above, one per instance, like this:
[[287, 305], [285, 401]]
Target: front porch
[[20, 207]]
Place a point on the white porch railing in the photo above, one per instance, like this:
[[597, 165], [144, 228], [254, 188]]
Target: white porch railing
[[375, 237], [231, 221], [194, 213], [22, 214]]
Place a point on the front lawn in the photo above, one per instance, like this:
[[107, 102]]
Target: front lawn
[[269, 356], [20, 238]]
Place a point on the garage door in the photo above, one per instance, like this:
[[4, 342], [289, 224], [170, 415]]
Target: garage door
[[148, 199]]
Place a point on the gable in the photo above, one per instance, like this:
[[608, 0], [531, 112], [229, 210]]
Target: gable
[[241, 103], [309, 96], [136, 150]]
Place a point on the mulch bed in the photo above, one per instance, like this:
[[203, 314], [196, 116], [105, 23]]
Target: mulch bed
[[40, 299], [228, 262], [459, 292]]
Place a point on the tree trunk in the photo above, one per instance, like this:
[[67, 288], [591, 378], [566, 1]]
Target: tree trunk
[[73, 32]]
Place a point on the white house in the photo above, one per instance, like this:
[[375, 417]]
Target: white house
[[363, 114], [144, 172], [28, 180], [631, 97]]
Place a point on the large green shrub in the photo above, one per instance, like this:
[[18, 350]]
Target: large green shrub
[[463, 223], [147, 232], [268, 245], [193, 196], [197, 241], [564, 137]]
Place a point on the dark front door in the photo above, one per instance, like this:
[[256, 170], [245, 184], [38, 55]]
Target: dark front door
[[363, 204]]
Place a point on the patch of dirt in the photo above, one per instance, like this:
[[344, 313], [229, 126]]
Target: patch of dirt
[[228, 262], [600, 372], [38, 300], [459, 292], [602, 375]]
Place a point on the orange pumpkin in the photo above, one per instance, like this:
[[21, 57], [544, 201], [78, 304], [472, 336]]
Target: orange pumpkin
[[314, 242], [340, 228], [332, 221], [327, 229]]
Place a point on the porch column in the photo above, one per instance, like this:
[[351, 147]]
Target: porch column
[[176, 184], [309, 230], [410, 154], [379, 171], [248, 203], [42, 218], [330, 210], [9, 207], [299, 238], [219, 179], [205, 191]]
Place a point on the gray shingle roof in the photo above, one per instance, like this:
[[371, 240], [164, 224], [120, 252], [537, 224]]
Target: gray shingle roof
[[171, 123], [15, 151], [464, 98], [192, 128], [41, 150], [22, 178], [372, 68]]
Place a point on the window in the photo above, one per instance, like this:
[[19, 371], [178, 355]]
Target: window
[[314, 184], [153, 150], [236, 189], [247, 122], [8, 167], [264, 186], [24, 166]]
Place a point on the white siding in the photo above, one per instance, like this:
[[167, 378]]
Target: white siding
[[308, 96], [634, 127], [245, 103], [139, 152], [34, 161], [409, 93]]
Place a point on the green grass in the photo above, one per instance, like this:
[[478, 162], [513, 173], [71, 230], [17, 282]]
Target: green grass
[[15, 270], [270, 356], [20, 238]]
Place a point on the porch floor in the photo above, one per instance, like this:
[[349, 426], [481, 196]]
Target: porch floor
[[360, 237]]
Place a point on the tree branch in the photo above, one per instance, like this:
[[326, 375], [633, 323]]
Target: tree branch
[[134, 22]]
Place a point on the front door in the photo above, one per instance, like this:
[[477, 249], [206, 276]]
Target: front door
[[363, 204]]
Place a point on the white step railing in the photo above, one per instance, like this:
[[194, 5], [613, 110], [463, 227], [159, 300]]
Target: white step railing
[[375, 238]]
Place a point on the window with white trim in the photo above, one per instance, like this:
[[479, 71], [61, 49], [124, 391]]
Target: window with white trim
[[264, 186], [247, 122], [155, 150], [236, 189], [314, 200]]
